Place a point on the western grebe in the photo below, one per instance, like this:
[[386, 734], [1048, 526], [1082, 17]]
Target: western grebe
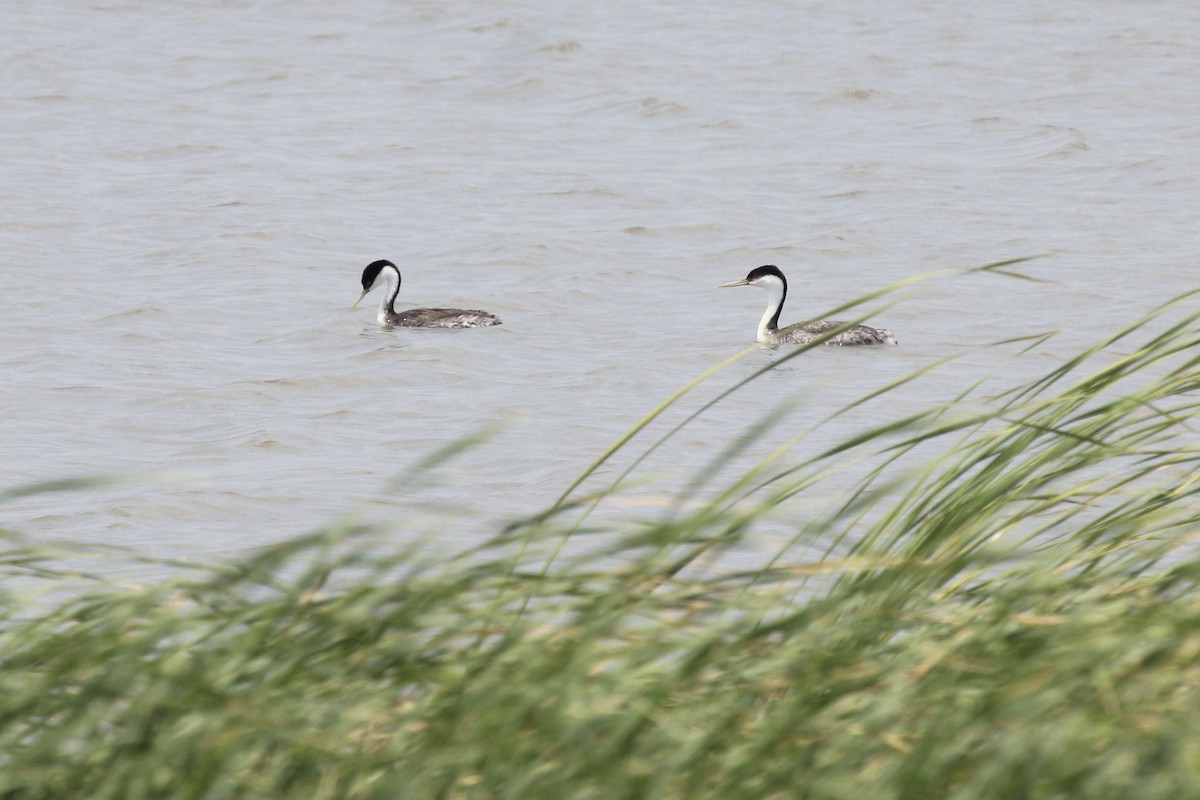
[[383, 272], [770, 278]]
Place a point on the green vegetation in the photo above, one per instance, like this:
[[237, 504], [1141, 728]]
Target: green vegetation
[[1006, 607]]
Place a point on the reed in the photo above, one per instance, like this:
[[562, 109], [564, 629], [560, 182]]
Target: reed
[[1006, 607]]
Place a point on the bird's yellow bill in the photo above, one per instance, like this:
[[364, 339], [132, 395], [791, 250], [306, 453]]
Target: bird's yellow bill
[[742, 282], [359, 300]]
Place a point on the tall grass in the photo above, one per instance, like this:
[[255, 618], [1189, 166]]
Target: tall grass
[[1006, 606]]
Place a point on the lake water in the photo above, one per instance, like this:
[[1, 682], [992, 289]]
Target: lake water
[[190, 192]]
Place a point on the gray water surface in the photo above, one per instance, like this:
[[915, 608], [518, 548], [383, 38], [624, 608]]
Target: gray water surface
[[190, 193]]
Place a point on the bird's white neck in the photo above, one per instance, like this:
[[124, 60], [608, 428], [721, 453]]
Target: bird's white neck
[[776, 292], [386, 303]]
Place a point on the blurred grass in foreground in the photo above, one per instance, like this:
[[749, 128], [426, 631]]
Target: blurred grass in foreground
[[1015, 616]]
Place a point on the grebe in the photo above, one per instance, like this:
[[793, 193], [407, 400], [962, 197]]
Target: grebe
[[770, 278], [380, 272]]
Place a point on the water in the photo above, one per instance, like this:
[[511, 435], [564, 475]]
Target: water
[[190, 192]]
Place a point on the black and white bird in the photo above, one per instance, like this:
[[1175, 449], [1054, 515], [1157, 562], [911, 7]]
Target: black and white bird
[[385, 273], [770, 278]]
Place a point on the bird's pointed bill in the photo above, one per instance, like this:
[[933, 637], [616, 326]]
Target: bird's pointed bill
[[742, 282], [359, 300]]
